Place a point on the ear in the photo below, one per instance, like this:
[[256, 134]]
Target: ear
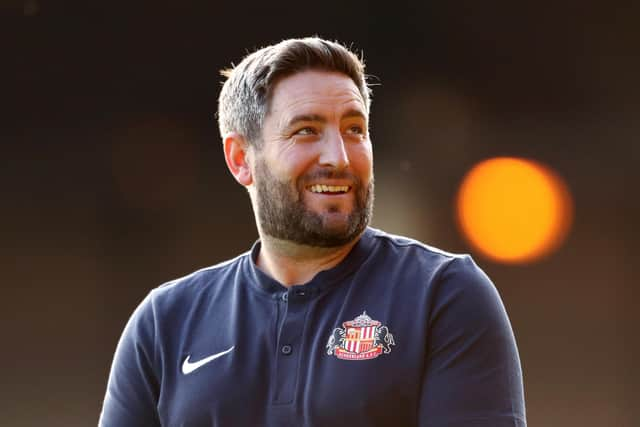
[[236, 154]]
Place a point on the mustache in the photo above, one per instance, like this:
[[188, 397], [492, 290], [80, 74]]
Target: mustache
[[320, 174]]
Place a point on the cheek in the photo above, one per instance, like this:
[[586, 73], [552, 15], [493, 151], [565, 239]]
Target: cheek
[[282, 157], [361, 160], [296, 161]]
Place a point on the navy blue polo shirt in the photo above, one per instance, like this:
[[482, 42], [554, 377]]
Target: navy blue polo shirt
[[397, 334]]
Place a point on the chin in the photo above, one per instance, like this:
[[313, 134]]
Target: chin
[[335, 226], [335, 219]]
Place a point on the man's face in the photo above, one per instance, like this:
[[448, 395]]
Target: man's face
[[313, 174]]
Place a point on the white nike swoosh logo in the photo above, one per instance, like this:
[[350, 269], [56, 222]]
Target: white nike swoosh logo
[[188, 367]]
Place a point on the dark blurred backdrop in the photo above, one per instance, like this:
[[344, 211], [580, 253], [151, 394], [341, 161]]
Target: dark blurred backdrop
[[113, 179]]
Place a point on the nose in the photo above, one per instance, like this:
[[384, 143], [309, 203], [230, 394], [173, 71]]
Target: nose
[[333, 152]]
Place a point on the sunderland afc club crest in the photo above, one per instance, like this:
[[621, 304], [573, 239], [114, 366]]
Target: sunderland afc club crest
[[360, 339]]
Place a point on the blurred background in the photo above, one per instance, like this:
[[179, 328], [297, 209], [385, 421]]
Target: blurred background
[[113, 179]]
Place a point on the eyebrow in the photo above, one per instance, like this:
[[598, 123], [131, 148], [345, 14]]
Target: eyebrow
[[322, 119]]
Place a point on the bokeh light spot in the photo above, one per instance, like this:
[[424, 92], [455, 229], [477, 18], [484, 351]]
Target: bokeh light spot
[[513, 210]]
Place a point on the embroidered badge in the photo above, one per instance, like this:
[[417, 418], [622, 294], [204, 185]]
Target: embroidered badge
[[360, 339]]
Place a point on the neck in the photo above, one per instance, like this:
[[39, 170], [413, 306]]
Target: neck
[[292, 263]]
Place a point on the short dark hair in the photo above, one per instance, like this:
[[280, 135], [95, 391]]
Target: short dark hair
[[244, 99]]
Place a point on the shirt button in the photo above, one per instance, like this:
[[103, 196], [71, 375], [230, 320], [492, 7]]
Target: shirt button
[[285, 297], [286, 349]]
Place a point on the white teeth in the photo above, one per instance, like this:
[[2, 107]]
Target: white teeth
[[321, 188]]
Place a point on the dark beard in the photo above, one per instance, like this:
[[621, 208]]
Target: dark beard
[[282, 213]]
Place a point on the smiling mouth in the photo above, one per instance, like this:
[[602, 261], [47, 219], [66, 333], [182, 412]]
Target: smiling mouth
[[329, 189]]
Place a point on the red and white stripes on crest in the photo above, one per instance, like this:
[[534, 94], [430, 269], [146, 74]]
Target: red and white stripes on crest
[[360, 339]]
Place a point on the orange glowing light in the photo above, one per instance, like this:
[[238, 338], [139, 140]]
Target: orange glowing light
[[513, 210]]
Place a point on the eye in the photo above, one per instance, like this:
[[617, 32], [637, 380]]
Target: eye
[[305, 131], [356, 129]]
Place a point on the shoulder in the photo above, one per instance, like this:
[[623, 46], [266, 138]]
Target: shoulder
[[409, 246], [200, 283], [402, 248], [442, 271]]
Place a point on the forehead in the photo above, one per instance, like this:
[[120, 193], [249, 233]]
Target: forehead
[[313, 89]]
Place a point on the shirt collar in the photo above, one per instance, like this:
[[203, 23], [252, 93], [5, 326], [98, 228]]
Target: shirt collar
[[322, 281]]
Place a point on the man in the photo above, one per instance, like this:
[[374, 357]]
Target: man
[[325, 321]]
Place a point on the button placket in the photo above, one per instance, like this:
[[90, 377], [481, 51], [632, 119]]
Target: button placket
[[289, 346], [286, 350]]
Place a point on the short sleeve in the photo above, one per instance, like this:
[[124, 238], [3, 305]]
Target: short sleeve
[[133, 387], [473, 376]]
